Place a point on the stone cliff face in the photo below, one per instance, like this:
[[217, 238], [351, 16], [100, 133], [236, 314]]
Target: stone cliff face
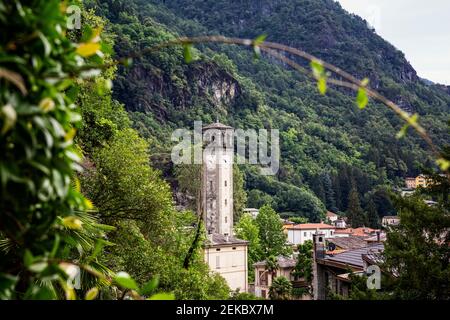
[[149, 89]]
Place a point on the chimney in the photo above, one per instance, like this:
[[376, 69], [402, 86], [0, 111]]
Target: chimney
[[227, 237], [318, 283], [319, 245]]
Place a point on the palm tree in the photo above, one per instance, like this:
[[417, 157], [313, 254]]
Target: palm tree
[[280, 289]]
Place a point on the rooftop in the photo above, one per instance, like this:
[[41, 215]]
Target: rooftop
[[355, 257], [348, 243], [331, 214], [375, 238], [217, 125], [310, 226], [283, 262], [359, 232], [391, 217], [216, 239]]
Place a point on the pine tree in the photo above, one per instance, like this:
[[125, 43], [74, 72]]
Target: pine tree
[[319, 188], [330, 200], [372, 215], [355, 213]]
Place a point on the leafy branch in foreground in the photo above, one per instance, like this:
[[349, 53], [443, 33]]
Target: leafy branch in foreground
[[48, 235]]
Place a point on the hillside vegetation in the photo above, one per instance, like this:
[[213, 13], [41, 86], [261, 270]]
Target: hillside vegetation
[[328, 146]]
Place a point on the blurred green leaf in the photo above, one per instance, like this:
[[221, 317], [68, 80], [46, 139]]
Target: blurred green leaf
[[88, 49], [38, 266], [322, 85], [28, 258], [317, 69], [259, 39], [361, 98], [162, 296], [187, 52], [9, 116], [91, 294], [443, 164], [124, 280], [150, 286]]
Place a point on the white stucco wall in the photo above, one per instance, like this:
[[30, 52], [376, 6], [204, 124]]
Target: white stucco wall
[[299, 236], [231, 263]]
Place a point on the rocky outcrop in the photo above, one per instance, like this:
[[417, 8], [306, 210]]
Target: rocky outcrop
[[146, 88]]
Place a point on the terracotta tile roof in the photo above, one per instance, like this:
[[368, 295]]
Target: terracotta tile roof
[[359, 232], [311, 226]]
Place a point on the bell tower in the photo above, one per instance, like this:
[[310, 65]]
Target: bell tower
[[217, 179]]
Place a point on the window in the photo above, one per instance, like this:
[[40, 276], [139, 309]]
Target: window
[[304, 234], [225, 183], [211, 205], [217, 249], [217, 262], [225, 202], [226, 219], [262, 278], [234, 248], [210, 185]]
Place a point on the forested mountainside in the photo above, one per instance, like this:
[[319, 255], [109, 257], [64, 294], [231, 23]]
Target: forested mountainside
[[333, 155]]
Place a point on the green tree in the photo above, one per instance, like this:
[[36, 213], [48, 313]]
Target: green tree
[[44, 227], [355, 213], [239, 193], [303, 268], [281, 289], [330, 200], [258, 198], [247, 229], [372, 215], [271, 235], [298, 220], [418, 250], [124, 186]]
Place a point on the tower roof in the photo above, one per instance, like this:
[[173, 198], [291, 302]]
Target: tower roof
[[217, 125]]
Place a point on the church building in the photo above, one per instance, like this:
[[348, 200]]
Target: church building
[[224, 253]]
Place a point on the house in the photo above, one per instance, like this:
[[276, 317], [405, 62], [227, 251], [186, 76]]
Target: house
[[264, 278], [379, 237], [227, 256], [299, 233], [223, 253], [252, 212], [422, 181], [410, 183], [359, 232], [331, 216], [331, 272], [340, 223], [390, 221]]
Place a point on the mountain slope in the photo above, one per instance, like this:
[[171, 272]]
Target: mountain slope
[[327, 144]]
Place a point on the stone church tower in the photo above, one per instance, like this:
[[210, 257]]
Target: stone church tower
[[224, 253], [217, 184]]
